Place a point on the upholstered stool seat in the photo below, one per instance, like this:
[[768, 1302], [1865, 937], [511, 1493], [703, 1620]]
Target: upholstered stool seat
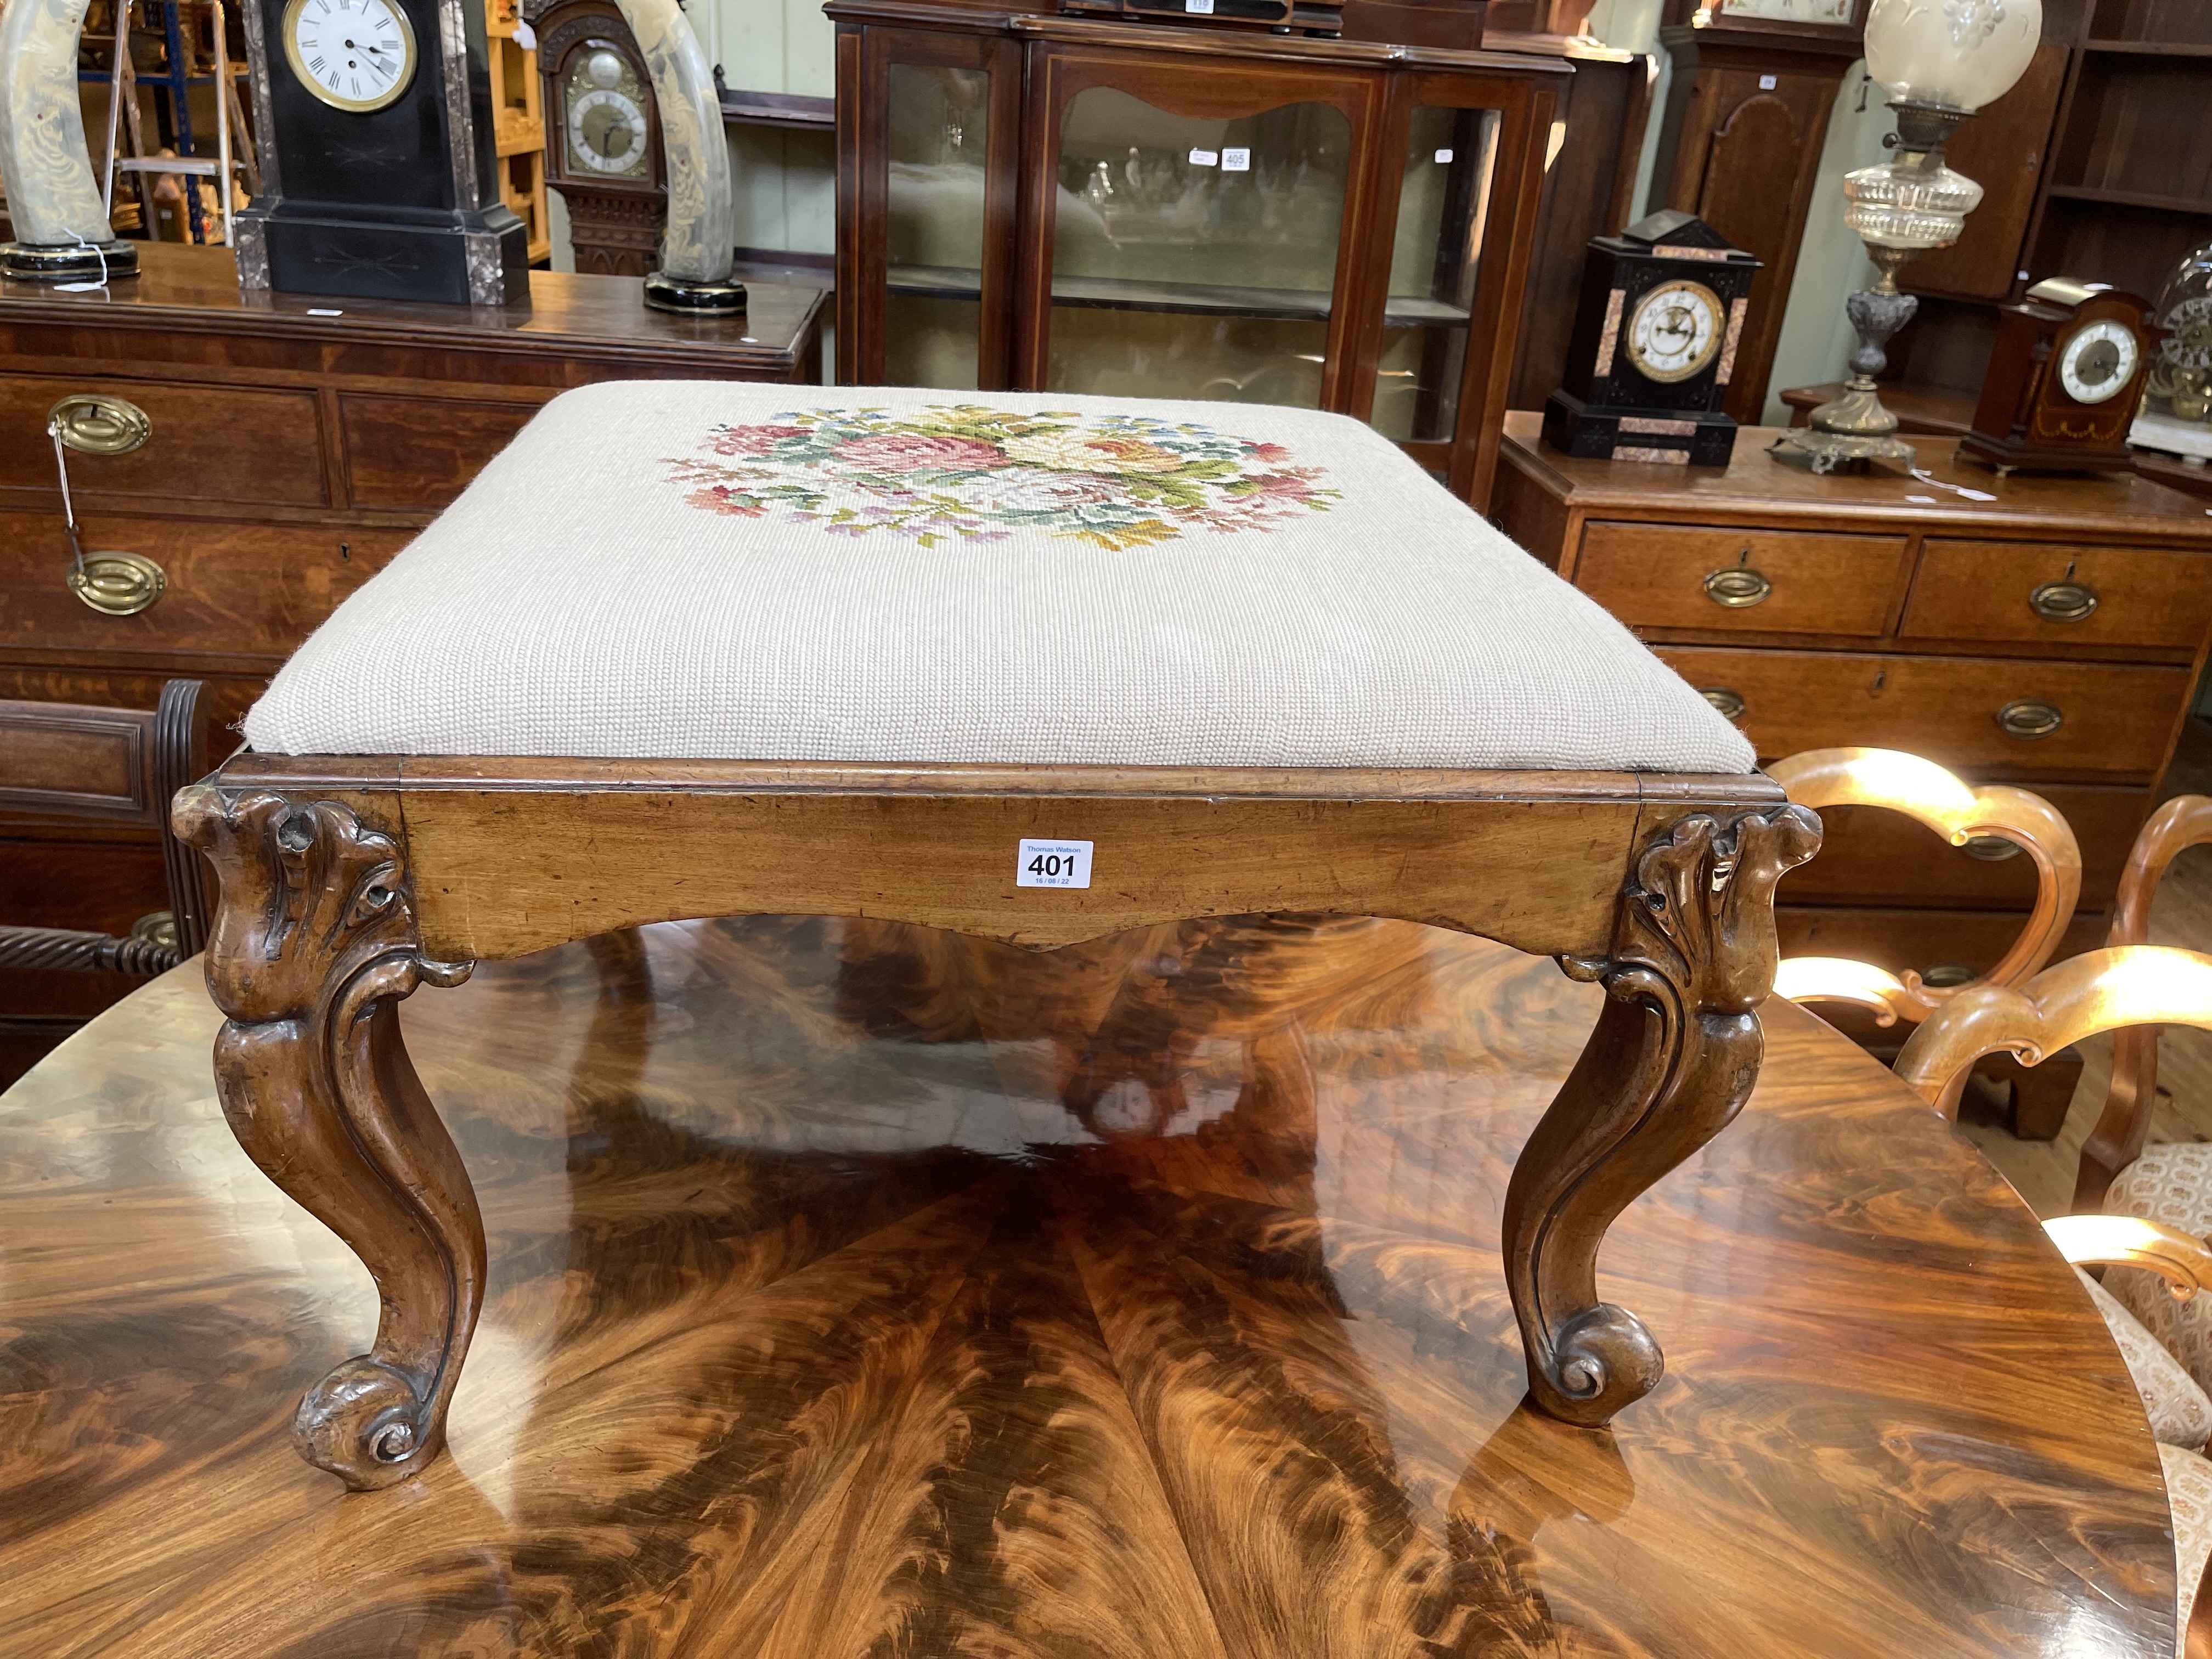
[[1033, 669], [705, 570]]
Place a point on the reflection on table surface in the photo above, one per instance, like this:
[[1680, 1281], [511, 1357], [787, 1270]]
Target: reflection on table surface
[[859, 1290]]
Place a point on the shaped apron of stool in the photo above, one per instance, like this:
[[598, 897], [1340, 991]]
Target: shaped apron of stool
[[1248, 661]]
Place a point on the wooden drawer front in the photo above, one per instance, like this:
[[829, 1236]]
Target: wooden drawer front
[[232, 590], [1870, 855], [2112, 719], [223, 701], [414, 453], [1989, 591], [1653, 575], [207, 443], [69, 761], [1922, 940]]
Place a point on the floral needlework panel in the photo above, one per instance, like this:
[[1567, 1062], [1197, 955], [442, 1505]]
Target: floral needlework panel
[[970, 472], [714, 570]]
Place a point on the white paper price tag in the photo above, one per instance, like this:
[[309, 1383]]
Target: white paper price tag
[[1443, 155], [1202, 8], [1766, 83], [1237, 160], [1053, 863], [1203, 158]]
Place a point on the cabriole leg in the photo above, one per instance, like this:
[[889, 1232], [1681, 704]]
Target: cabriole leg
[[1673, 1058], [313, 946]]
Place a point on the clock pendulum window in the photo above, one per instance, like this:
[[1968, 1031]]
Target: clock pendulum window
[[1654, 345], [378, 162]]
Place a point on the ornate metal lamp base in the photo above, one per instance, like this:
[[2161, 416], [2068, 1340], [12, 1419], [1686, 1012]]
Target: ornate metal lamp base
[[1855, 428], [667, 293], [68, 261], [1832, 452]]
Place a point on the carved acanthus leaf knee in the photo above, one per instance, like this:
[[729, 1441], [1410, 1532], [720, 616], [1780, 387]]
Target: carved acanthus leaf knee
[[314, 943], [1672, 1059]]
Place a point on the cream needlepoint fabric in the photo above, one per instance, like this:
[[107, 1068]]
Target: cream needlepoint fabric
[[664, 569]]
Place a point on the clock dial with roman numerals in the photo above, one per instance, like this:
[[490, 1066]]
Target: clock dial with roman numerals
[[352, 54]]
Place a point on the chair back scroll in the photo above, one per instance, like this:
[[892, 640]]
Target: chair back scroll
[[1959, 812], [2106, 990], [2125, 1125]]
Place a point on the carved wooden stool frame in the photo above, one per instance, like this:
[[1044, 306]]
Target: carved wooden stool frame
[[348, 881]]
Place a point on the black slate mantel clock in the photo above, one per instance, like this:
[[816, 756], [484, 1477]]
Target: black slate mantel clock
[[379, 160], [1655, 341]]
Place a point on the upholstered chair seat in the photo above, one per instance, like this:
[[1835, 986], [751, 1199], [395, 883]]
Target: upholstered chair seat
[[686, 570], [2170, 1183]]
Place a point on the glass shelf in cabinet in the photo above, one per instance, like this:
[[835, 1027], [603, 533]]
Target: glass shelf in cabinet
[[1128, 293]]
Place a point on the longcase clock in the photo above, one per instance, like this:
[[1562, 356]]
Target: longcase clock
[[602, 135], [1740, 144], [379, 167]]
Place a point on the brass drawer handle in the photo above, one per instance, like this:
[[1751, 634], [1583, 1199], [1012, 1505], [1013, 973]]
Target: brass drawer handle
[[119, 584], [1738, 587], [2062, 602], [1730, 703], [1991, 849], [91, 424], [2028, 717]]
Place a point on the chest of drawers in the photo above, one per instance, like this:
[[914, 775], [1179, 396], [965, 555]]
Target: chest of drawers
[[276, 458], [2050, 635]]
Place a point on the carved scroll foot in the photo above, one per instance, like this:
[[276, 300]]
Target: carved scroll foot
[[1672, 1059], [313, 946]]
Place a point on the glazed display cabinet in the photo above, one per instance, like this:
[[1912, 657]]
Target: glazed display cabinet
[[1057, 204]]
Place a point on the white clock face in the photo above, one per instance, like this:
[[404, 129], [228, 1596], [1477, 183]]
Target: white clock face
[[606, 116], [352, 54], [2096, 365], [1675, 331], [1838, 12]]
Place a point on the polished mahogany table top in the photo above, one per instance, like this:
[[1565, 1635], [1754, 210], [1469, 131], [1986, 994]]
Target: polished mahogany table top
[[858, 1291]]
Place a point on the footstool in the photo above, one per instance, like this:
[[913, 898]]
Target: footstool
[[1034, 668]]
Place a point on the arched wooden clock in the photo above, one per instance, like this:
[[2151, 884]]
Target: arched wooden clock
[[378, 162], [2065, 381], [602, 135]]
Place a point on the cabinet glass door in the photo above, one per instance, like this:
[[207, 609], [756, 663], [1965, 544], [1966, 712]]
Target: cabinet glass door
[[1443, 203], [939, 192], [1195, 256]]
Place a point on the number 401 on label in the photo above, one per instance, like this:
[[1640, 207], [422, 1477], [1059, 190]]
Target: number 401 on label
[[1053, 863]]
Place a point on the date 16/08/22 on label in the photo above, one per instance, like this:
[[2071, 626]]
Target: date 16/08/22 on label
[[1053, 863]]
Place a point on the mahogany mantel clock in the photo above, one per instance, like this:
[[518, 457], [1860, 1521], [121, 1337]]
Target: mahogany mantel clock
[[379, 160], [602, 134], [1654, 346], [2065, 380]]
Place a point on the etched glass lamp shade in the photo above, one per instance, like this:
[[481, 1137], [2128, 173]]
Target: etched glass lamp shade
[[2181, 380], [1959, 54]]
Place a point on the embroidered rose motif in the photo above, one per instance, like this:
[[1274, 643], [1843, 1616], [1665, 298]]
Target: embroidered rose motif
[[1083, 451], [753, 440], [967, 471], [910, 452]]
